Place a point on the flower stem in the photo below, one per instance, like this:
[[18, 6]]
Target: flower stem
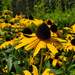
[[46, 61], [41, 61], [70, 60], [26, 58]]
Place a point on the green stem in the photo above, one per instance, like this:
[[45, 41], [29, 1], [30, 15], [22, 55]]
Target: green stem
[[46, 60], [26, 58], [29, 59], [69, 62], [41, 61]]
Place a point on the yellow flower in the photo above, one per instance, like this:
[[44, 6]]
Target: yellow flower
[[55, 30], [41, 39], [67, 28], [5, 70], [37, 22], [19, 16], [35, 71], [28, 22], [72, 29], [33, 60], [56, 60], [69, 45], [7, 11], [14, 19], [1, 20], [5, 24], [7, 42], [74, 56], [48, 56], [63, 58], [5, 16], [50, 22]]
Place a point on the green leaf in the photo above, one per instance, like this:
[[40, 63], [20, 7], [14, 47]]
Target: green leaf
[[57, 71], [73, 65], [18, 69], [10, 49], [9, 64], [48, 64], [72, 72]]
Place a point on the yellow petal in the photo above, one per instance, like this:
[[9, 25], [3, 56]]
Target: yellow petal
[[67, 28], [60, 63], [52, 48], [74, 48], [24, 39], [37, 49], [31, 45], [26, 72], [31, 34], [54, 62], [46, 72], [43, 44], [60, 40], [27, 41], [35, 71], [40, 45]]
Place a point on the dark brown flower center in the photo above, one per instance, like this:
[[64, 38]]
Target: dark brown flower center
[[27, 31], [11, 23], [43, 32], [8, 38], [26, 17], [53, 28], [6, 21], [73, 42], [49, 22], [56, 56], [31, 17]]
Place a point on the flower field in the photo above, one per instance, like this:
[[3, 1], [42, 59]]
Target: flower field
[[33, 46]]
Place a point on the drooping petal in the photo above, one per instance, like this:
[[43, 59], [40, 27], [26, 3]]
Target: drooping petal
[[54, 62], [35, 71], [27, 41], [24, 39], [31, 45], [52, 48], [31, 34], [60, 63], [74, 48], [38, 47], [26, 72], [46, 72], [43, 44], [60, 40]]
